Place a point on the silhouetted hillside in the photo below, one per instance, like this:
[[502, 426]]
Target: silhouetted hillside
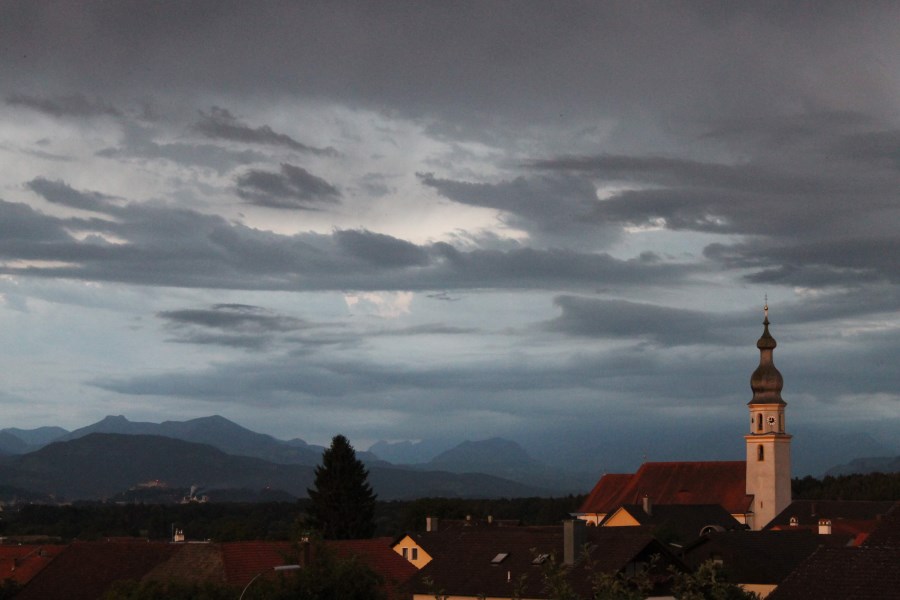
[[101, 465]]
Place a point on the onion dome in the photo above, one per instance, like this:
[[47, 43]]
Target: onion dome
[[766, 381]]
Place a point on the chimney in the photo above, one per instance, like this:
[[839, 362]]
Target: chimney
[[574, 538], [305, 551], [647, 507], [431, 523], [824, 526]]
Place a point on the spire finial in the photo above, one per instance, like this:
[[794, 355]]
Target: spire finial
[[766, 310]]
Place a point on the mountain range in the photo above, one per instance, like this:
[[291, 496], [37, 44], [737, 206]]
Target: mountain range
[[115, 454]]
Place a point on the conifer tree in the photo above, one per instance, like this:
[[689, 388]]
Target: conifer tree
[[342, 502]]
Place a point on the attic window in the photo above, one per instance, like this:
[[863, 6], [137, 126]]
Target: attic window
[[499, 558], [540, 559]]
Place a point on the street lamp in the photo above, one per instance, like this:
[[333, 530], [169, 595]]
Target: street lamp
[[257, 576]]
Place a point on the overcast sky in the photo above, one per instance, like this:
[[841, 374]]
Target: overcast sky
[[551, 222]]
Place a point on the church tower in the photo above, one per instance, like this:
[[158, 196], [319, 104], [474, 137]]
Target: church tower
[[768, 446]]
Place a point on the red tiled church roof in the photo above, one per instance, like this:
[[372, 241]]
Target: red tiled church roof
[[710, 482]]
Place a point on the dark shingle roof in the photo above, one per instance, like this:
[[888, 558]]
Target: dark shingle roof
[[846, 516], [714, 482], [887, 530], [464, 558], [764, 557], [846, 573], [682, 522]]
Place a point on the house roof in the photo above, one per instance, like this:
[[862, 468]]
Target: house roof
[[84, 570], [681, 522], [494, 562], [710, 482], [245, 560], [763, 557], [378, 554], [22, 562], [844, 573], [887, 530], [191, 563], [851, 517]]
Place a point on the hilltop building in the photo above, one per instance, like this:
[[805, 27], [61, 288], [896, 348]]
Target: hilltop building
[[753, 491]]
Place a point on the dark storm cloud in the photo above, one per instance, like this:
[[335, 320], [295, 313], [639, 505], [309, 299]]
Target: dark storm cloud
[[380, 249], [59, 192], [293, 188], [233, 317], [75, 105], [631, 320], [467, 63], [551, 203], [220, 123], [815, 264], [235, 325]]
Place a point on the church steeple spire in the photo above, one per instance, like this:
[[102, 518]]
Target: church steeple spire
[[768, 444], [766, 381]]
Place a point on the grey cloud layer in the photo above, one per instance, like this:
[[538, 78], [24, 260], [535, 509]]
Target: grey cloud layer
[[177, 247]]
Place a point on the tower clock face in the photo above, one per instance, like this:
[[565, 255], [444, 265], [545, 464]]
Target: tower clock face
[[771, 420]]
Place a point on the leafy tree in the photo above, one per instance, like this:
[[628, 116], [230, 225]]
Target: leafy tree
[[325, 576], [9, 588], [707, 583], [342, 505], [618, 586]]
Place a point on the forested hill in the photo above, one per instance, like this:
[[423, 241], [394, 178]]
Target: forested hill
[[870, 486]]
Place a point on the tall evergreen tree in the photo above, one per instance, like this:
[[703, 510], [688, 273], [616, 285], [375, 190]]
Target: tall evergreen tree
[[342, 503]]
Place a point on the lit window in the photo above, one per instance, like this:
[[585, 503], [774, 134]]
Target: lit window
[[499, 558]]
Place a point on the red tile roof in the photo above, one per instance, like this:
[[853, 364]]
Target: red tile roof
[[245, 560], [714, 482], [379, 555], [84, 570], [22, 562]]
